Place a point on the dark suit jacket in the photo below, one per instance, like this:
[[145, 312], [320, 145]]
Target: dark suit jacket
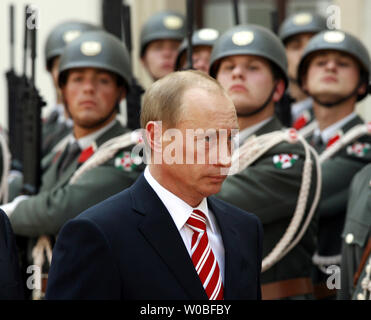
[[128, 247], [10, 277]]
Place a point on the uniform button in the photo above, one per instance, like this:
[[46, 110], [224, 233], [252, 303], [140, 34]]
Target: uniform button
[[349, 238]]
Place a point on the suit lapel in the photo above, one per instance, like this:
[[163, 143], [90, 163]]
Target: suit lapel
[[161, 233], [233, 258]]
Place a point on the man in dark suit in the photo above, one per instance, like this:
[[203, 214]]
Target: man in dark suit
[[164, 237], [10, 278]]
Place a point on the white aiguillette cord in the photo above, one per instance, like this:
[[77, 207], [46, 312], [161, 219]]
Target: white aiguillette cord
[[252, 150]]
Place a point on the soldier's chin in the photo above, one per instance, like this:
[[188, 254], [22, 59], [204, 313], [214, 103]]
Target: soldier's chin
[[90, 123], [329, 100]]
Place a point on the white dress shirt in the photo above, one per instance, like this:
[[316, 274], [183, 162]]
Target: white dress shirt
[[86, 141], [330, 131], [298, 108], [180, 211]]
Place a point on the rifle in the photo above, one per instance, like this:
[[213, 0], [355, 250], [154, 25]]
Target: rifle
[[14, 84], [32, 104], [133, 98], [236, 12], [189, 34]]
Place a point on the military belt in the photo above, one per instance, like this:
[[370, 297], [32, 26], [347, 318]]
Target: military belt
[[286, 288]]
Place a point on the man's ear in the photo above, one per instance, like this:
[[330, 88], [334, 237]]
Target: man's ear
[[123, 94], [280, 89], [154, 135], [362, 89]]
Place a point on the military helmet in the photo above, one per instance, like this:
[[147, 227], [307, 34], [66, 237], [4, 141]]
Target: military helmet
[[301, 23], [202, 37], [97, 49], [163, 25], [339, 41], [61, 35], [249, 39]]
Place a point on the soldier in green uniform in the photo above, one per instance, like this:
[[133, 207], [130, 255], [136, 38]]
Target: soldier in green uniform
[[356, 245], [250, 63], [57, 125], [160, 38], [202, 44], [295, 33], [334, 71], [94, 76]]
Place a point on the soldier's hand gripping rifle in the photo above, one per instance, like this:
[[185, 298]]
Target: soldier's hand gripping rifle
[[32, 104], [133, 98]]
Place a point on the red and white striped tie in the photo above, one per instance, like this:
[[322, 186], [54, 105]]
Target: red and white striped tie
[[203, 257]]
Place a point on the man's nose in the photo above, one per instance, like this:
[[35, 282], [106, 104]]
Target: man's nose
[[331, 65], [237, 72], [89, 86]]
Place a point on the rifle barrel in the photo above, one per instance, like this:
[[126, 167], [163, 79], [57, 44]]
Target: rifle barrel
[[11, 16], [189, 33], [25, 41], [236, 12]]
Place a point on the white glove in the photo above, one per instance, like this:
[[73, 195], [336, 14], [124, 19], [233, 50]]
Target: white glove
[[8, 208]]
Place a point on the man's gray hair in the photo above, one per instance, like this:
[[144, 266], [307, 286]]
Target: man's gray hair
[[164, 99]]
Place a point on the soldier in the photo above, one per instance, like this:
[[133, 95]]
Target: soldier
[[89, 64], [356, 245], [202, 44], [57, 125], [334, 71], [94, 76], [250, 63], [295, 32], [160, 38]]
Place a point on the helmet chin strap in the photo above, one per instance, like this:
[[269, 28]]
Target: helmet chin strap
[[293, 80], [251, 113], [340, 100]]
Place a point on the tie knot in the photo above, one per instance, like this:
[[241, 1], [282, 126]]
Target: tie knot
[[74, 148], [197, 221]]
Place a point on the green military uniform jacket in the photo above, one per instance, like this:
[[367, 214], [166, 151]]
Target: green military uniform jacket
[[50, 121], [49, 141], [58, 201], [337, 174], [53, 131], [357, 231], [272, 193]]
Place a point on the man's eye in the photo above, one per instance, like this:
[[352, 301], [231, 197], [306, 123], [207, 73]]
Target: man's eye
[[228, 67], [253, 68], [104, 80], [321, 62], [76, 78], [343, 63]]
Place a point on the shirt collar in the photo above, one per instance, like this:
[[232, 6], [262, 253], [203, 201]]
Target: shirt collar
[[179, 210], [86, 141], [249, 131], [298, 108], [330, 131]]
